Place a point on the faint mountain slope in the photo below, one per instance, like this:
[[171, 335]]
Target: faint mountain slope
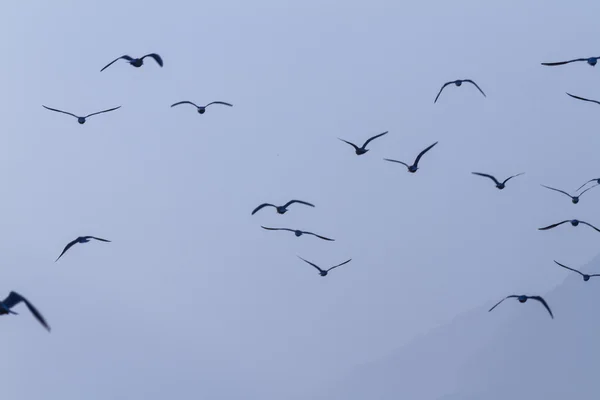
[[515, 352]]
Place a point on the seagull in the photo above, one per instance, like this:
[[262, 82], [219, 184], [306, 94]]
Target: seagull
[[523, 298], [363, 149], [573, 222], [592, 61], [297, 232], [413, 168], [591, 180], [586, 277], [201, 109], [80, 239], [574, 199], [499, 185], [584, 99], [15, 298], [458, 83], [81, 120], [281, 209], [136, 62], [323, 272]]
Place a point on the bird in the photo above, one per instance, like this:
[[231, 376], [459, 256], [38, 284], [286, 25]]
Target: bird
[[324, 272], [523, 298], [586, 277], [80, 239], [458, 82], [362, 150], [281, 209], [201, 109], [592, 61], [297, 232], [81, 120], [591, 180], [15, 298], [499, 185], [573, 222], [574, 199], [413, 168], [136, 62], [582, 98]]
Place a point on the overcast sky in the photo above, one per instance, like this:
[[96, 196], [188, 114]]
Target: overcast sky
[[192, 298]]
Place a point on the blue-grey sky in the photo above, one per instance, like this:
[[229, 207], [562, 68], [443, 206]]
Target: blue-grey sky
[[192, 298]]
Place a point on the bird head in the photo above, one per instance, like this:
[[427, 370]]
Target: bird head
[[81, 120], [201, 110]]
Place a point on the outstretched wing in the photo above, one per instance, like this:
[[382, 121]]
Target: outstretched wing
[[297, 201], [553, 225], [571, 269], [125, 57], [584, 99], [440, 92], [60, 111], [67, 247], [339, 265], [156, 57], [277, 229], [487, 176], [319, 236], [552, 64], [423, 152], [97, 238], [591, 180], [373, 138], [591, 187], [15, 298], [100, 112], [557, 190], [590, 225], [470, 81], [314, 265], [498, 303], [396, 161], [541, 300], [510, 177], [350, 143], [184, 102], [219, 102], [262, 206]]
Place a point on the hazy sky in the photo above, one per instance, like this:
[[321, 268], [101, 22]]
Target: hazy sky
[[192, 298]]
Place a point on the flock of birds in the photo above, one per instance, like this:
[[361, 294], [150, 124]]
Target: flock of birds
[[15, 298]]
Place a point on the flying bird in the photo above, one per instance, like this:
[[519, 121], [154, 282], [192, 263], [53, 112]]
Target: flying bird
[[584, 99], [363, 149], [586, 277], [81, 120], [574, 199], [573, 222], [499, 185], [297, 232], [323, 272], [523, 298], [136, 62], [592, 61], [458, 82], [201, 109], [413, 168], [80, 239], [281, 209], [591, 180], [15, 298]]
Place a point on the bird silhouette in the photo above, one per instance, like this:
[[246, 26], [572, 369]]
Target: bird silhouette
[[499, 185], [15, 298], [413, 168], [574, 199], [201, 109], [523, 298], [324, 272], [136, 62], [80, 239], [297, 232], [362, 150], [458, 82], [591, 61], [281, 209], [586, 277], [584, 99], [81, 120], [573, 222]]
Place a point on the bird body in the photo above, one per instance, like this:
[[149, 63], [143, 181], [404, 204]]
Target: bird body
[[80, 239], [81, 120], [458, 83], [362, 150], [201, 109], [413, 168], [136, 62], [324, 272], [523, 298], [499, 185], [281, 209], [15, 298]]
